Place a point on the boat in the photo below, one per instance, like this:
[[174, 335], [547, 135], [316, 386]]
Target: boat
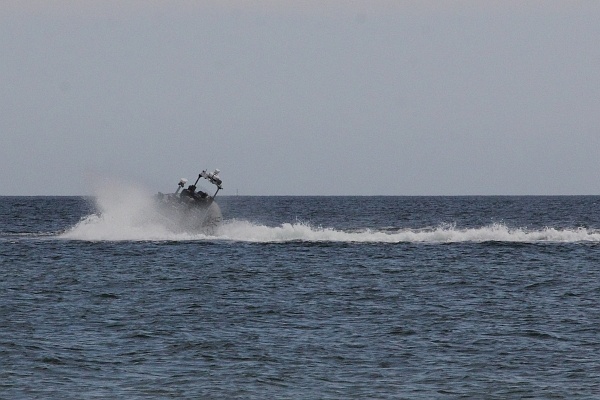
[[190, 209]]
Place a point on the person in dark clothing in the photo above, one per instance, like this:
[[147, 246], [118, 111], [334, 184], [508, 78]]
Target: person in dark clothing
[[189, 192]]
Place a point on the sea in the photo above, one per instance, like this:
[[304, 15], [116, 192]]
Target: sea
[[467, 297]]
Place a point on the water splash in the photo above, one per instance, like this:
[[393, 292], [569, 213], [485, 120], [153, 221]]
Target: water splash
[[125, 212], [112, 228], [141, 226], [245, 231], [128, 213]]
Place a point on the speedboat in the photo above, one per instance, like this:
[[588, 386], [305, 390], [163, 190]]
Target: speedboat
[[191, 209]]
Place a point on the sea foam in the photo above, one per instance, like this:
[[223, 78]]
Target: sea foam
[[245, 231], [143, 226], [128, 213]]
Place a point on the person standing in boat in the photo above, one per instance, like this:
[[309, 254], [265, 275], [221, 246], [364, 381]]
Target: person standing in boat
[[189, 192]]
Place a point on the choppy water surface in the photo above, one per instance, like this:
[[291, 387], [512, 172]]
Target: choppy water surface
[[302, 297]]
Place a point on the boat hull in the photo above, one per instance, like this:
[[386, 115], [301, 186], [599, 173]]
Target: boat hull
[[182, 214]]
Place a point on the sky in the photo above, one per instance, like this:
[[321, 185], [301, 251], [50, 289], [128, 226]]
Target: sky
[[298, 97]]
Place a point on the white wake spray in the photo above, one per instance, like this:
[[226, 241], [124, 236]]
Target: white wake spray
[[114, 228], [245, 231], [126, 213]]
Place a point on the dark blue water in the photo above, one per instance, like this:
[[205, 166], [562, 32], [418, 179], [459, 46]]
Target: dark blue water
[[302, 298]]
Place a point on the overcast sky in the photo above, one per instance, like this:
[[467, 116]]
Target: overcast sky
[[301, 97]]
